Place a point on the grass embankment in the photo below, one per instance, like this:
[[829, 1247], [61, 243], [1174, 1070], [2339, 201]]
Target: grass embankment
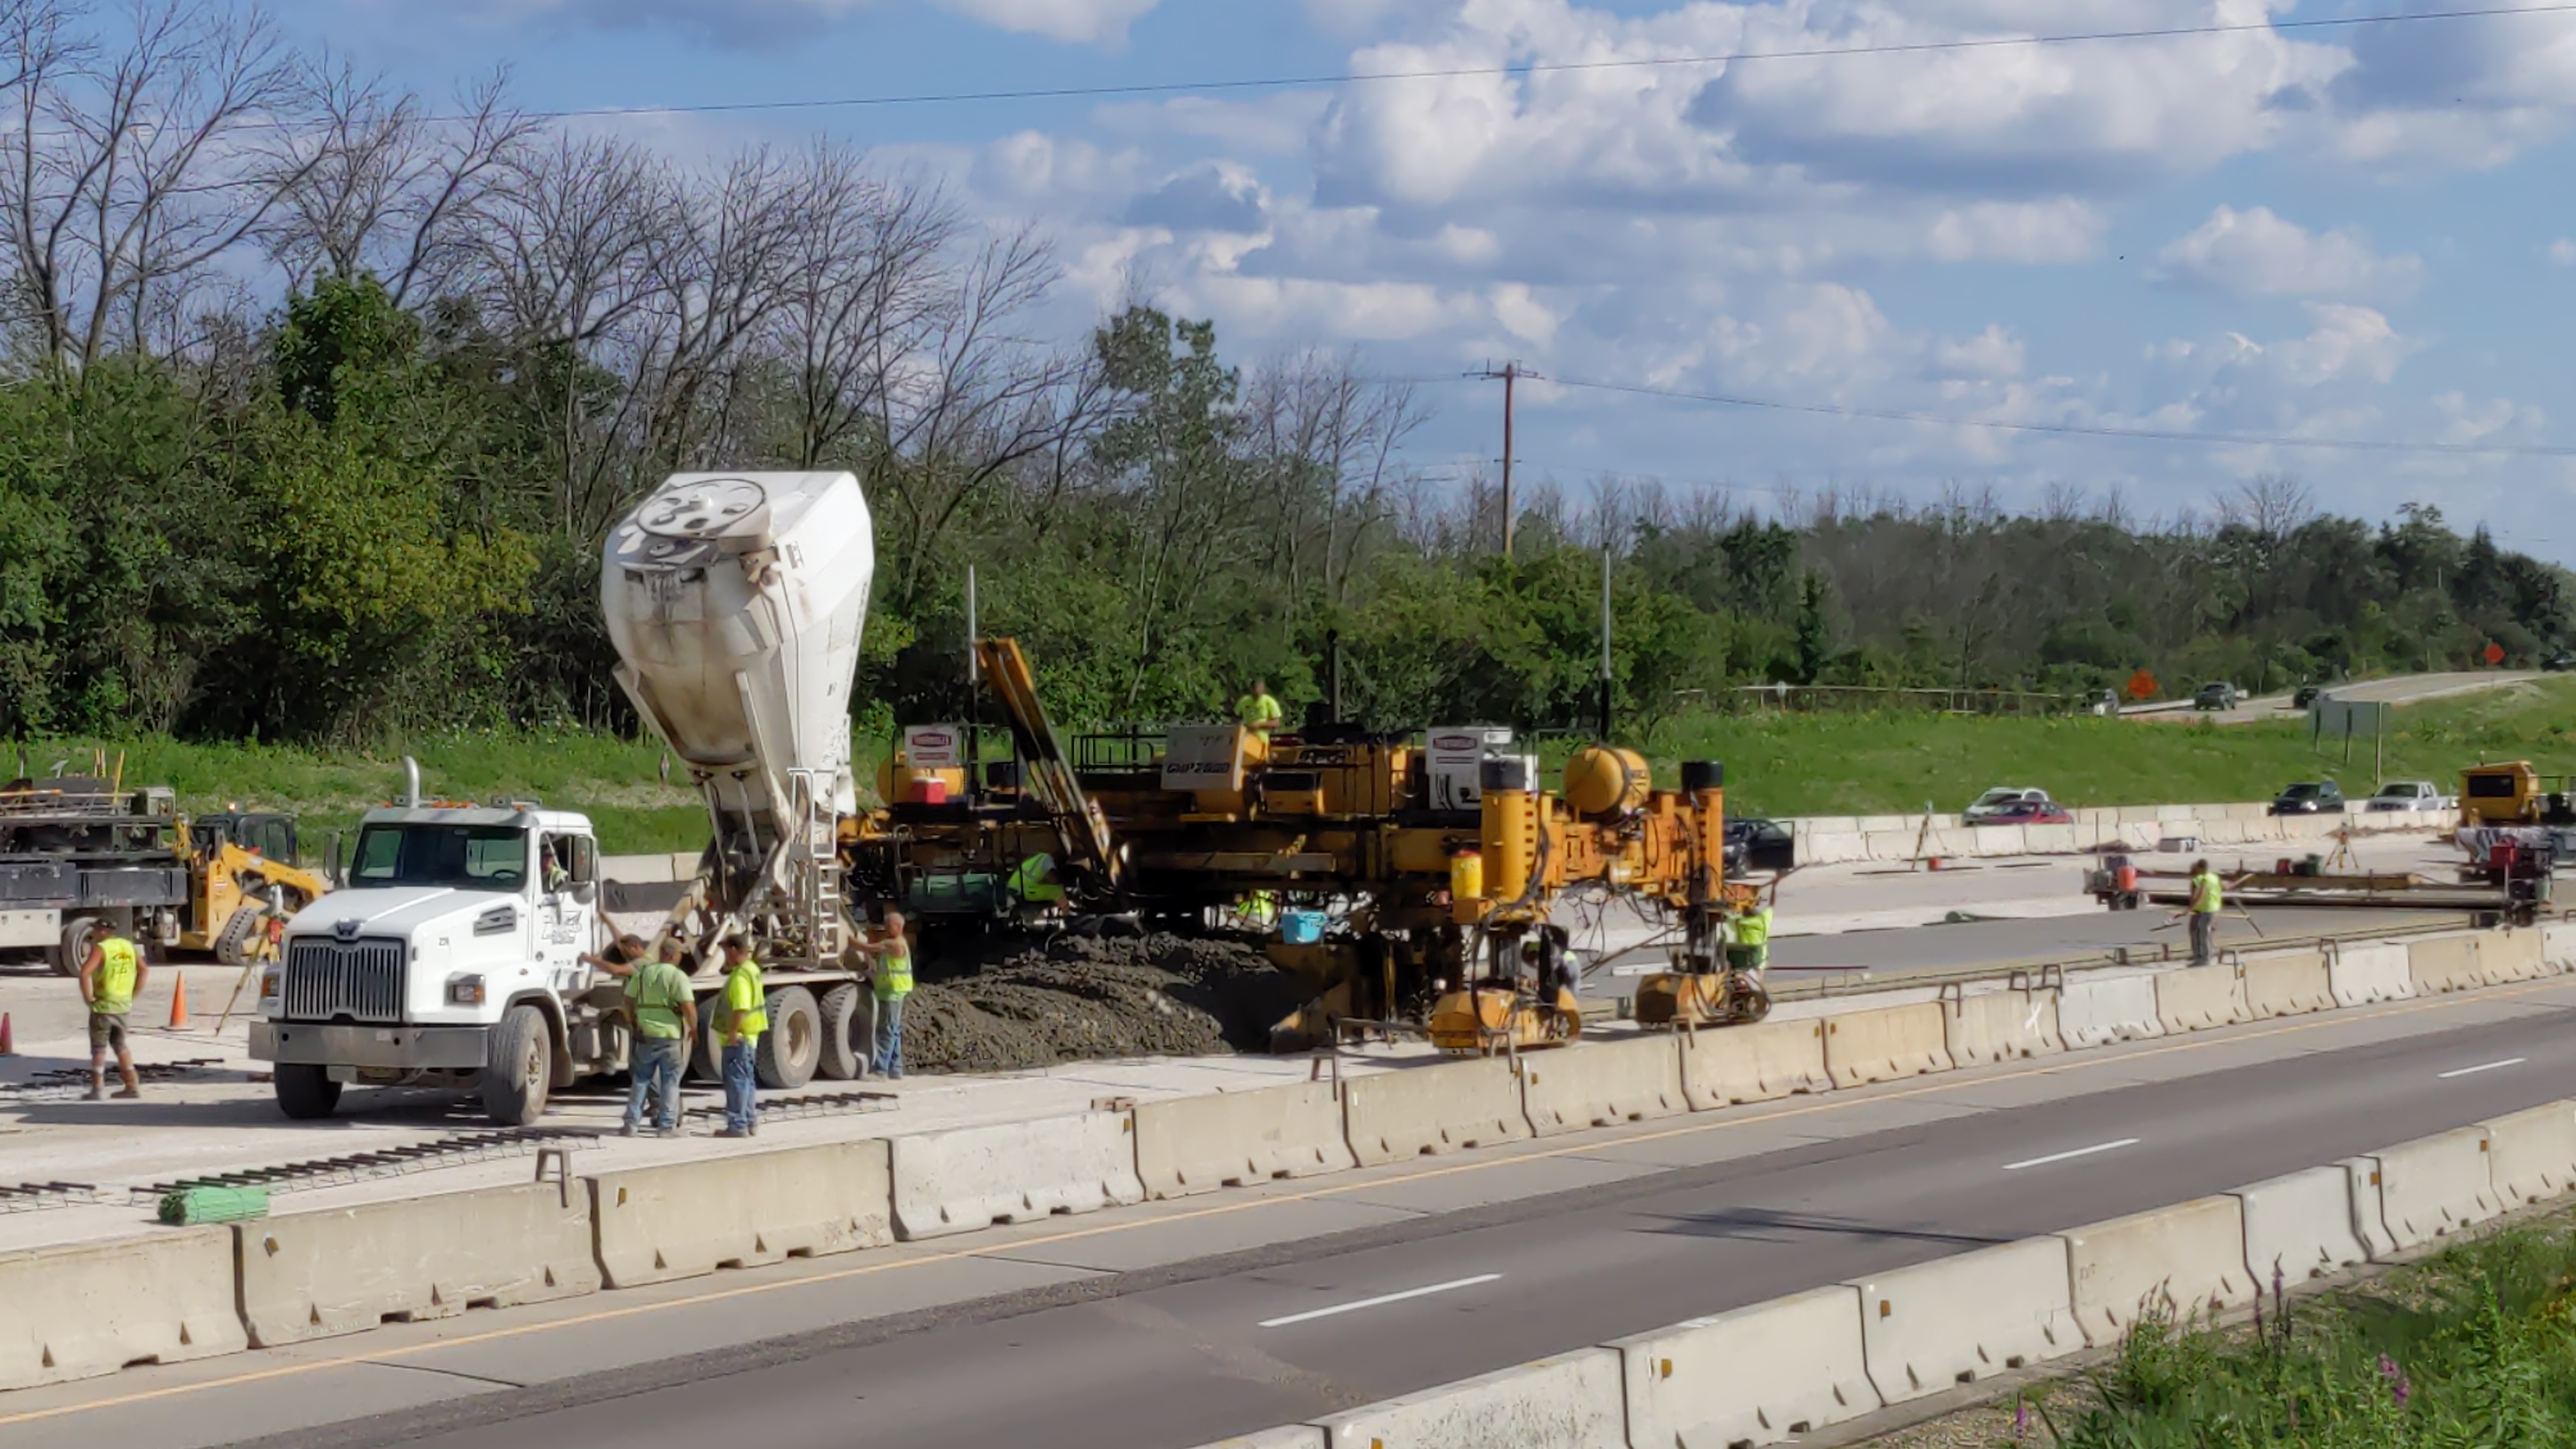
[[1893, 764], [2474, 1347], [1803, 764]]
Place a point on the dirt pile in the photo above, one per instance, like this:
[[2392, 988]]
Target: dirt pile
[[1086, 998]]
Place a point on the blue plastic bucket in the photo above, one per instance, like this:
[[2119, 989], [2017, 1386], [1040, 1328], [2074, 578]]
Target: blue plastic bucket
[[1301, 928]]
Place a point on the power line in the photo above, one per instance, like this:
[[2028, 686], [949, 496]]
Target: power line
[[2087, 430], [1347, 78]]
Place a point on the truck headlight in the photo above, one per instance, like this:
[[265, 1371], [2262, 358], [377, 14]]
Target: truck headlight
[[272, 983], [465, 991]]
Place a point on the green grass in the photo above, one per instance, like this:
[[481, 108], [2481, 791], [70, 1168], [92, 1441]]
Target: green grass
[[1893, 764], [1807, 764], [2474, 1347]]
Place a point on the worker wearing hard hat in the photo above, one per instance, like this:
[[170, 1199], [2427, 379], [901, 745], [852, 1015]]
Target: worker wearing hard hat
[[1260, 711]]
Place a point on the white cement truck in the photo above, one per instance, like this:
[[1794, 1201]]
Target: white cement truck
[[736, 603]]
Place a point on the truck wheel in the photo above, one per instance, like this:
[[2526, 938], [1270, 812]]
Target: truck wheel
[[706, 1054], [79, 934], [794, 1042], [845, 1056], [306, 1092], [520, 1069]]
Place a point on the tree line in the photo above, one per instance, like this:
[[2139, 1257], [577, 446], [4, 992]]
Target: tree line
[[317, 399]]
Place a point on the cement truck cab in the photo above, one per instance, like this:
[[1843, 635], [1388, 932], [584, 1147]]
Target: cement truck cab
[[452, 958]]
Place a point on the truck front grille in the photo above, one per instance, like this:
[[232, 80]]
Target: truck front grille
[[361, 980]]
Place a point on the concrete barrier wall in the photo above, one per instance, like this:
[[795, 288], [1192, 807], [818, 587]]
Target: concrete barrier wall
[[2531, 1155], [316, 1275], [2363, 974], [1390, 1116], [969, 1178], [2434, 1186], [2361, 1174], [1572, 1401], [2184, 1262], [2511, 955], [1882, 1045], [1602, 1084], [2099, 1010], [1729, 1065], [2558, 945], [1957, 1320], [2300, 1227], [88, 1309], [2197, 998], [2444, 963], [1290, 1436], [1838, 848], [1758, 1375], [1188, 1145], [2001, 1026], [2291, 984], [687, 1219]]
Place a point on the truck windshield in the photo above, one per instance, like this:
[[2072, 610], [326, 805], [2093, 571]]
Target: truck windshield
[[467, 857], [2491, 787]]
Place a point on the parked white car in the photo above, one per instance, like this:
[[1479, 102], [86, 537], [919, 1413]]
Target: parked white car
[[2005, 805], [2417, 797]]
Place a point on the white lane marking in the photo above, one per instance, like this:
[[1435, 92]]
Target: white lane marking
[[1380, 1302], [2483, 1067], [2070, 1156]]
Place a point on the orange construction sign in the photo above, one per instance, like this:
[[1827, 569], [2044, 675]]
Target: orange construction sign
[[2495, 652], [2142, 685]]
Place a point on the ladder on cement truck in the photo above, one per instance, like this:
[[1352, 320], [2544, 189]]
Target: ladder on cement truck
[[1046, 770]]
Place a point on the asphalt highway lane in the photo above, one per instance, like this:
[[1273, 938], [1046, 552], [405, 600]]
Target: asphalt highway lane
[[1458, 1266]]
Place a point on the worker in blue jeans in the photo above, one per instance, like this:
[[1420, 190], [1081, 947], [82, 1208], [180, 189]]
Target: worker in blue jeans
[[742, 1017], [892, 975], [666, 1021]]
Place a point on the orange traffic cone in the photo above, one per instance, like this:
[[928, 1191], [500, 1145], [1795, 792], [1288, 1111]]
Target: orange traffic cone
[[179, 1004], [8, 1044]]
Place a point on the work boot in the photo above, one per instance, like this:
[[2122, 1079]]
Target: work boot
[[666, 1132], [97, 1092], [130, 1094], [626, 1130], [734, 1132]]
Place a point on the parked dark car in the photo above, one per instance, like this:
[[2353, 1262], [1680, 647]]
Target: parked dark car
[[2218, 694], [2560, 662], [2310, 797], [2029, 812], [1756, 844], [2306, 696]]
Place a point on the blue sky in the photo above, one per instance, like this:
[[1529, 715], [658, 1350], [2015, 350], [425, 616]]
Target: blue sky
[[2356, 232]]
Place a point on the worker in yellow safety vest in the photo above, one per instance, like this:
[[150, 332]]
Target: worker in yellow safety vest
[[111, 976], [1035, 885], [666, 1021], [742, 1017], [1748, 940], [892, 974], [1260, 710], [2208, 897]]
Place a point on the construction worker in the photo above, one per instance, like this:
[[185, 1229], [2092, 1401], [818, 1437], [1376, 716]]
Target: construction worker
[[666, 1021], [2207, 899], [1748, 940], [111, 976], [742, 1017], [1035, 885], [1260, 711], [892, 975]]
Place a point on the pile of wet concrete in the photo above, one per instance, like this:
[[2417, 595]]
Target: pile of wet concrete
[[1019, 1005]]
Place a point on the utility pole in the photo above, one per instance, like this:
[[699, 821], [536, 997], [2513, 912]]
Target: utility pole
[[1510, 373]]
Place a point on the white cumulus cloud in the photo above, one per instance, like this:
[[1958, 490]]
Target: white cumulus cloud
[[2256, 253], [1092, 22]]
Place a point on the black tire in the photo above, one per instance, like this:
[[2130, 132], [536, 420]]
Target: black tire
[[521, 1068], [79, 934], [306, 1092], [845, 1055], [793, 1045], [706, 1054]]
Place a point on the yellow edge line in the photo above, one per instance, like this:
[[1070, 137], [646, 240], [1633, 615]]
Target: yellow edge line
[[1826, 1103]]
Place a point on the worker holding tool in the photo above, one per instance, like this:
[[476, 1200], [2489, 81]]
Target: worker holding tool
[[892, 975], [111, 976], [1035, 885], [1748, 939], [2208, 898], [666, 1021], [742, 1017], [1260, 710]]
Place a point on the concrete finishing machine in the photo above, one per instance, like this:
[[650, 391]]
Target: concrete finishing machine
[[454, 957]]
